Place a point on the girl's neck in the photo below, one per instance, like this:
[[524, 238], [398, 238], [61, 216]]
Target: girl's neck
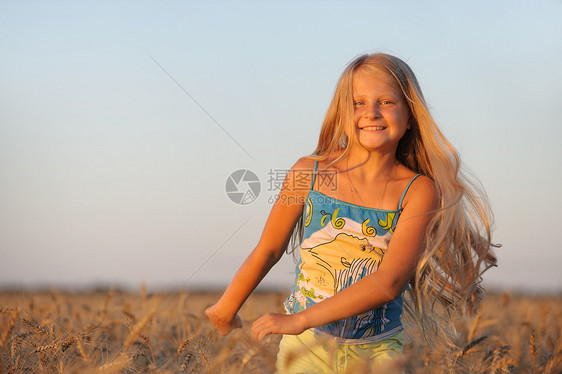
[[371, 165]]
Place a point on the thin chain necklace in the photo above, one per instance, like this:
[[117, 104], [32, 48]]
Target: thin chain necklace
[[354, 191]]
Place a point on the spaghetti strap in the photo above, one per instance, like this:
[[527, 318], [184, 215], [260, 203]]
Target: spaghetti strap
[[314, 175], [406, 190]]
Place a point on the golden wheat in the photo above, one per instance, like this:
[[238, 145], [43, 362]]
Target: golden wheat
[[135, 331], [116, 332], [14, 315]]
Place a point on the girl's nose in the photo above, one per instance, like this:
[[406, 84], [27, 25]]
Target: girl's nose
[[372, 111]]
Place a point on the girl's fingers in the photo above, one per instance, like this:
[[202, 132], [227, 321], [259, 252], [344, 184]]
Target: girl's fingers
[[259, 335], [258, 330], [270, 323]]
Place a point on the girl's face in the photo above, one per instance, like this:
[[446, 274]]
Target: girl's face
[[381, 113]]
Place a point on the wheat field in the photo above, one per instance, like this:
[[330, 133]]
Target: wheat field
[[119, 332]]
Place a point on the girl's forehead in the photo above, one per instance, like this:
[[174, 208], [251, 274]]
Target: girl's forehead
[[369, 80]]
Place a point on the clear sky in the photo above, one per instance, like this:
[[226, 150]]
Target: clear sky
[[120, 123]]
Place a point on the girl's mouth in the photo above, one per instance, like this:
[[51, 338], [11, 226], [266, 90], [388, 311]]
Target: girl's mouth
[[373, 128]]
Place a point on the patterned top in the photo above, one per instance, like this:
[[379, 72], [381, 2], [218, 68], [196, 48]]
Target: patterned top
[[343, 243]]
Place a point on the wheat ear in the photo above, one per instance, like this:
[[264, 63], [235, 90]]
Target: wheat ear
[[135, 331]]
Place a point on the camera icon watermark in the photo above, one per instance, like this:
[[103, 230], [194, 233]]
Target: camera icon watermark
[[243, 186]]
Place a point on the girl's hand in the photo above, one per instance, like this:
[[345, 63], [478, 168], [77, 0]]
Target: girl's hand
[[225, 326], [275, 323]]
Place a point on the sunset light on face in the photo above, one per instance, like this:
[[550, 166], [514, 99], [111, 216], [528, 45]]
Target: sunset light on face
[[381, 115]]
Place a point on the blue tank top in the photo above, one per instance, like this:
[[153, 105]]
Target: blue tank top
[[343, 243]]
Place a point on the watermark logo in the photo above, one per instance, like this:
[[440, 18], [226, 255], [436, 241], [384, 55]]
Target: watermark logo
[[243, 187]]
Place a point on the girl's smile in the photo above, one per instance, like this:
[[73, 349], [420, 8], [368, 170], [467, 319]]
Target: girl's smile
[[371, 128]]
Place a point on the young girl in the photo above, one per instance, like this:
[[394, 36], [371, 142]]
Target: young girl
[[398, 215]]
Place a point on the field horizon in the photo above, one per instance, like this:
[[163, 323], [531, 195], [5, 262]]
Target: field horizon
[[169, 289]]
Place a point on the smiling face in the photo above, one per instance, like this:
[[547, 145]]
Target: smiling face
[[381, 113]]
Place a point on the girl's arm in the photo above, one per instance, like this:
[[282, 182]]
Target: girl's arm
[[273, 242], [376, 289]]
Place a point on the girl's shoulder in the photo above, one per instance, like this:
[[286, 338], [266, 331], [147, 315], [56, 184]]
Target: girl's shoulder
[[321, 163], [299, 178], [312, 162], [404, 173], [418, 187]]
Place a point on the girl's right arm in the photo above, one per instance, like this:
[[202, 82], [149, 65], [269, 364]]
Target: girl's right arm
[[273, 242]]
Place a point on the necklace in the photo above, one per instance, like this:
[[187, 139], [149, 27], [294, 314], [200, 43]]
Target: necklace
[[354, 191]]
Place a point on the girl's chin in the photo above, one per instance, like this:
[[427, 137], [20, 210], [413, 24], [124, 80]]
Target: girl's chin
[[376, 146]]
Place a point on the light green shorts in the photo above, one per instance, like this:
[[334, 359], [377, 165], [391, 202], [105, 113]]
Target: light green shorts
[[313, 353]]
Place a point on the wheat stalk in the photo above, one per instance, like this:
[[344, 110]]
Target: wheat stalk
[[35, 326], [185, 362], [106, 303], [55, 300], [14, 346], [533, 349], [82, 352], [468, 347], [6, 310], [13, 319], [131, 317], [116, 365], [147, 342], [474, 326], [203, 357], [135, 331], [68, 342], [553, 363], [182, 346], [45, 348]]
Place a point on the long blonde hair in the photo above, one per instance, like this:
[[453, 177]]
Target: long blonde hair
[[458, 246]]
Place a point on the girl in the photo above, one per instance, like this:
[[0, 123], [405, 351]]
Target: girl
[[399, 216]]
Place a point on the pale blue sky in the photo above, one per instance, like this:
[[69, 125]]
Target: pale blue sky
[[110, 173]]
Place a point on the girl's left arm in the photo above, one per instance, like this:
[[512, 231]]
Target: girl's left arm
[[376, 289]]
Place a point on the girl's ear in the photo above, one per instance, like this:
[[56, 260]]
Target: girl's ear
[[410, 120]]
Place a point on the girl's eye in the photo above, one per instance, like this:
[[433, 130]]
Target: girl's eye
[[386, 102], [356, 103]]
